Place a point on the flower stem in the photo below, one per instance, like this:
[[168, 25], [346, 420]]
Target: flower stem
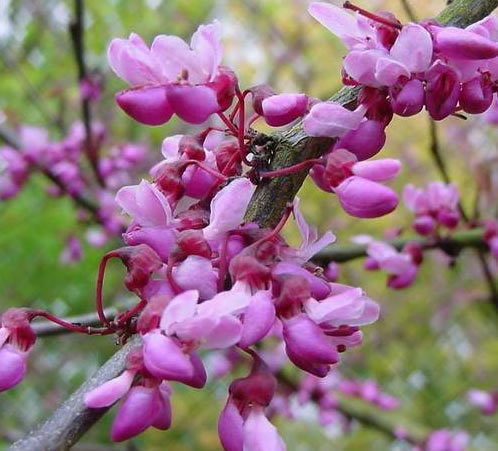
[[375, 17], [291, 169]]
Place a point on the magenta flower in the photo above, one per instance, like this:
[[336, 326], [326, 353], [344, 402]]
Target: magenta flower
[[437, 204], [487, 402], [16, 339], [282, 109], [329, 119], [172, 77]]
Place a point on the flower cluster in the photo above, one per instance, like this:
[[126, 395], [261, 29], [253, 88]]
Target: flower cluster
[[434, 207], [486, 402]]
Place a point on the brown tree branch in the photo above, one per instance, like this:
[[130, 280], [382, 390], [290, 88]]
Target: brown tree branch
[[73, 419], [452, 246], [77, 32]]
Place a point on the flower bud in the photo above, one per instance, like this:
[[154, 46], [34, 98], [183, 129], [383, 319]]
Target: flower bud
[[147, 105], [363, 198], [407, 99], [477, 95], [366, 141], [463, 44], [282, 109]]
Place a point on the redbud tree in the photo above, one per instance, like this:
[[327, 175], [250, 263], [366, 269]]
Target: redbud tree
[[216, 288]]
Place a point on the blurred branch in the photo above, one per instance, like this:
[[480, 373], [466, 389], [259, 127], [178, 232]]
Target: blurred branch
[[388, 423], [409, 10], [72, 419], [441, 165], [13, 141], [46, 328], [452, 245], [77, 32]]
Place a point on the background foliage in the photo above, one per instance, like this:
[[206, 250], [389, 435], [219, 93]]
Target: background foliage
[[435, 340]]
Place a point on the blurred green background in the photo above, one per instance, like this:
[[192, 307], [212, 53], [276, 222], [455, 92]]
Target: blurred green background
[[434, 341]]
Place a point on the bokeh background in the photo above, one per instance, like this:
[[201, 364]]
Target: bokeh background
[[434, 341]]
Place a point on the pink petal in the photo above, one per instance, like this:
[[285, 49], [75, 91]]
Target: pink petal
[[226, 333], [307, 341], [163, 418], [329, 119], [377, 170], [337, 20], [132, 61], [413, 48], [319, 287], [260, 434], [206, 43], [407, 99], [361, 65], [463, 44], [388, 71], [160, 239], [137, 412], [180, 308], [186, 275], [363, 198], [366, 141], [258, 319], [193, 104], [109, 392], [338, 309], [228, 208], [12, 366], [147, 105], [164, 359], [177, 59], [282, 109], [145, 203], [230, 428]]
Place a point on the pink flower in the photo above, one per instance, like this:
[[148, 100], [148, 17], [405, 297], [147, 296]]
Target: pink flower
[[442, 90], [365, 141], [282, 109], [12, 366], [487, 402], [228, 208], [364, 198], [329, 119], [146, 204], [172, 77], [143, 407], [109, 392]]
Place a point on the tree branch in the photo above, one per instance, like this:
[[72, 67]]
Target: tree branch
[[453, 245], [77, 32], [46, 328], [13, 141], [73, 419]]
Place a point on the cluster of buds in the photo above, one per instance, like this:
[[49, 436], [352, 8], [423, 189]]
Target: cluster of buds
[[434, 207]]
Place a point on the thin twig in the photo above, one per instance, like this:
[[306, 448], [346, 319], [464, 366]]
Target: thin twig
[[46, 328], [409, 10], [441, 165], [13, 141], [452, 245], [77, 32]]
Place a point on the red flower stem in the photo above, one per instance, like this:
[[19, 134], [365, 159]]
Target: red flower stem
[[231, 162], [223, 264], [229, 124], [375, 17], [242, 121], [73, 327], [98, 292], [291, 169], [169, 275], [278, 228], [131, 312], [206, 168], [253, 119], [234, 112]]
